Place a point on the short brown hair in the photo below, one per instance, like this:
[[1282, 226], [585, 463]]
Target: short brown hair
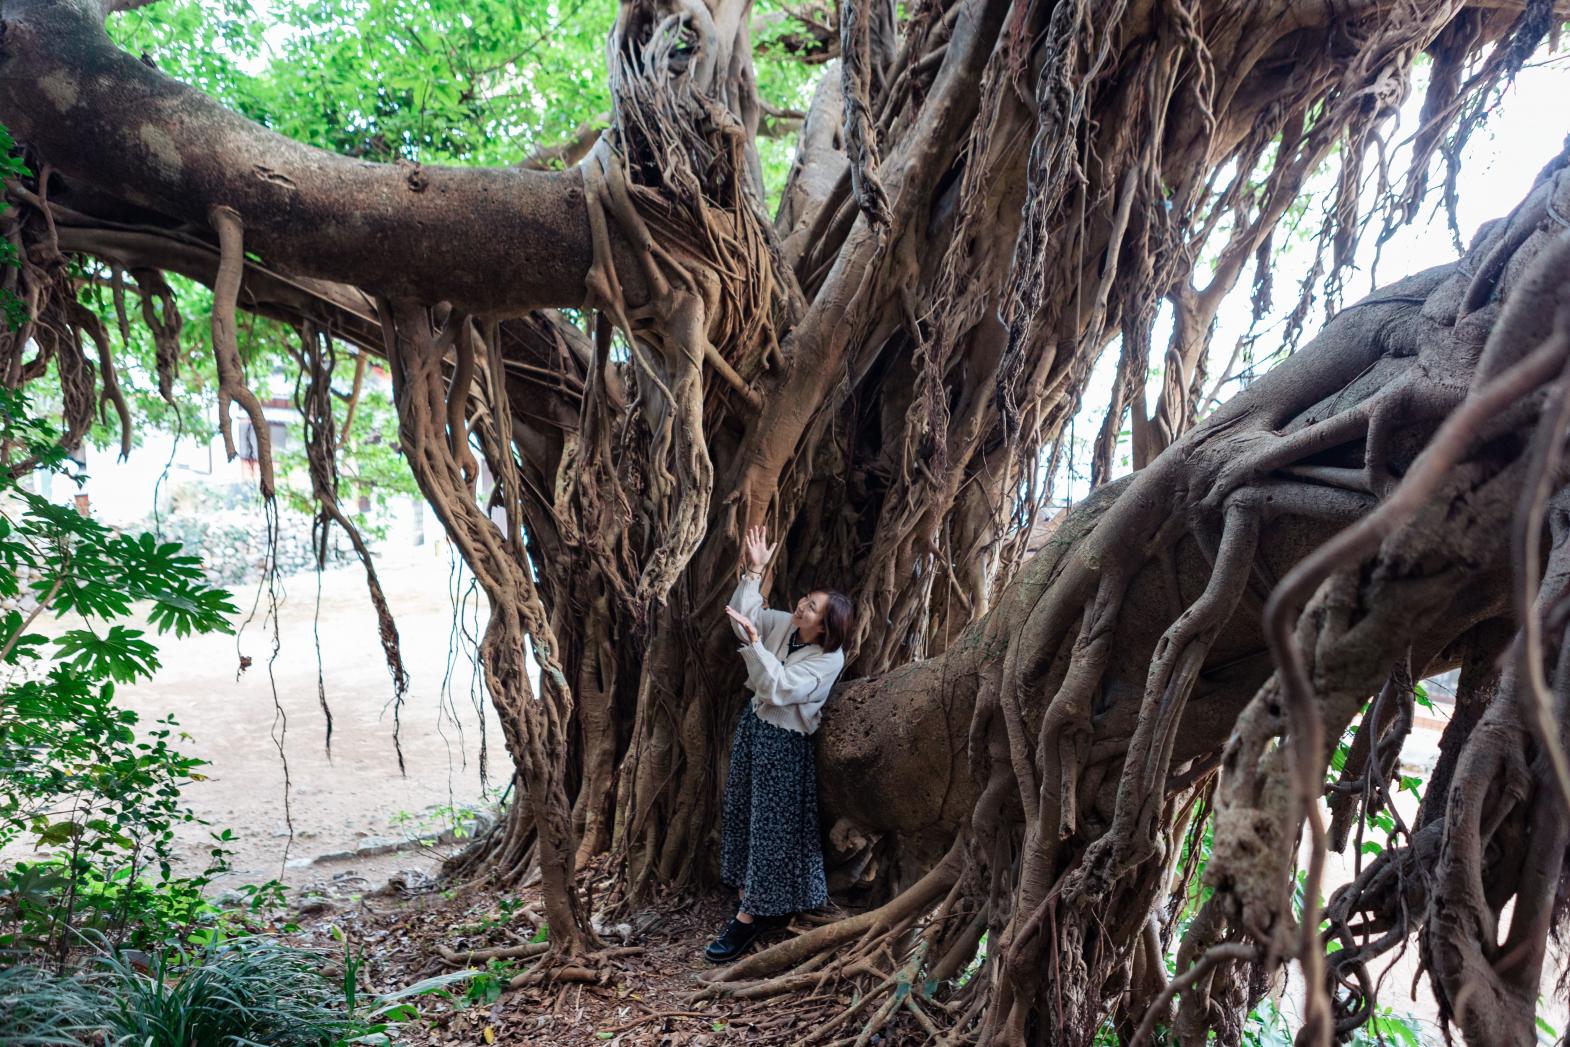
[[837, 617]]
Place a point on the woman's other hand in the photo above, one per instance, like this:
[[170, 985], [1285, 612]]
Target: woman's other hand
[[756, 550], [745, 623]]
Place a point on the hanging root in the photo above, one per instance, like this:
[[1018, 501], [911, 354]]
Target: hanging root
[[353, 402], [321, 453], [1200, 968], [669, 351], [857, 71], [226, 346], [161, 316], [1330, 656], [87, 321], [673, 180]]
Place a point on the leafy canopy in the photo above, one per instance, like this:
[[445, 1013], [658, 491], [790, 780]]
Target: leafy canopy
[[433, 81]]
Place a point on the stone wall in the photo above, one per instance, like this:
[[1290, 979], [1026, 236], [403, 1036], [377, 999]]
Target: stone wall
[[233, 542]]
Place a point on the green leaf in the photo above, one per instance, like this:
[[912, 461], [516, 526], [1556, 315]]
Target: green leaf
[[120, 654], [58, 833]]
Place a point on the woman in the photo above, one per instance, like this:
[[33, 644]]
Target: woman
[[771, 851]]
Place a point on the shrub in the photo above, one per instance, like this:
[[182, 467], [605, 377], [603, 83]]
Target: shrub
[[100, 796], [241, 993], [250, 991]]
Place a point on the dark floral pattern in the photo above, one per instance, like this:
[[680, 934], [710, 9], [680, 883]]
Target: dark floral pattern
[[771, 849]]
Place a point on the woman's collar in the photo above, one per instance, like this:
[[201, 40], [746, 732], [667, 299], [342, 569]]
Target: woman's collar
[[795, 637]]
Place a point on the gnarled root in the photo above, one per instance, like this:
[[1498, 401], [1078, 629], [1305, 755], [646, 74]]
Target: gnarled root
[[535, 729]]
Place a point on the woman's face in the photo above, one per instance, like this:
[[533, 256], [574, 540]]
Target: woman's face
[[808, 618]]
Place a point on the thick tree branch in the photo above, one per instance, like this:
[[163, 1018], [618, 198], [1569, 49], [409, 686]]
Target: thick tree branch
[[489, 240]]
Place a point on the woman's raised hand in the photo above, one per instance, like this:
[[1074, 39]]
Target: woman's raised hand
[[745, 623], [756, 550]]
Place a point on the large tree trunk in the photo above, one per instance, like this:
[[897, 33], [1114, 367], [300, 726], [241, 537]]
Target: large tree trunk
[[988, 192]]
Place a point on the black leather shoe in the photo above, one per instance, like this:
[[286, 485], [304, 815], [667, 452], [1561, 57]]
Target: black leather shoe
[[733, 942]]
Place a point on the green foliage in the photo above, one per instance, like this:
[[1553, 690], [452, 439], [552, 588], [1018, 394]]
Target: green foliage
[[245, 991], [460, 820], [102, 798], [12, 311], [125, 910], [431, 81], [486, 987], [1269, 1026], [261, 993], [208, 44], [76, 774]]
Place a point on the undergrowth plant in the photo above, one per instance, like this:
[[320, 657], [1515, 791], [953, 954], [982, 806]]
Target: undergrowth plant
[[244, 991], [93, 788]]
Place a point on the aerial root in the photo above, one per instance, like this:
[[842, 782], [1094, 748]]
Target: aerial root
[[861, 143], [1373, 914], [321, 451], [458, 404], [534, 727], [501, 952], [871, 955], [674, 380], [1371, 759], [88, 322], [1449, 443], [593, 968], [226, 346], [818, 961], [161, 317], [1216, 954], [1544, 473], [897, 988]]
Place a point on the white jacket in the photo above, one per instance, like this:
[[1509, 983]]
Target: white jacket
[[788, 690]]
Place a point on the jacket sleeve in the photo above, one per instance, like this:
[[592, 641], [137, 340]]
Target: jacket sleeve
[[749, 601], [800, 683]]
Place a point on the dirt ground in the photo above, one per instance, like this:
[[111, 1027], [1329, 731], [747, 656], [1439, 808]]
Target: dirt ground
[[643, 996]]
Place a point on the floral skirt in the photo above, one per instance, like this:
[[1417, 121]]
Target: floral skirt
[[771, 848]]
